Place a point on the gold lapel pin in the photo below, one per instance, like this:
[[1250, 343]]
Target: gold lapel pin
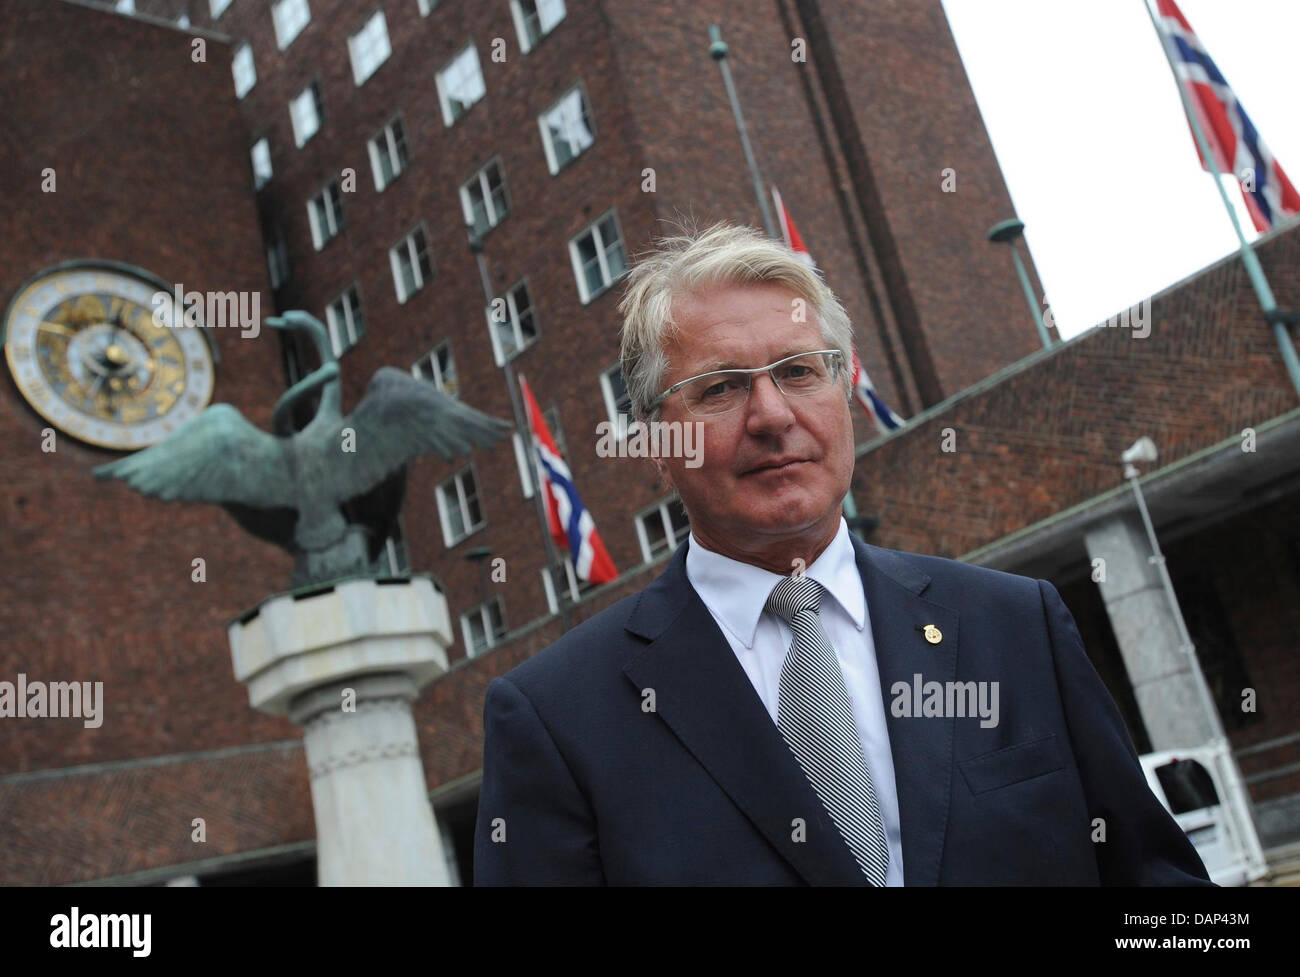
[[932, 634]]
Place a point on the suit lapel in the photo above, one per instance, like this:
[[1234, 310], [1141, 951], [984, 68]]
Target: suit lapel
[[922, 747], [704, 696]]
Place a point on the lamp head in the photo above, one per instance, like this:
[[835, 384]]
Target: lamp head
[[1143, 449]]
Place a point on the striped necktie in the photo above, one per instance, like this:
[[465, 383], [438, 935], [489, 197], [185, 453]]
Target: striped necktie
[[816, 720]]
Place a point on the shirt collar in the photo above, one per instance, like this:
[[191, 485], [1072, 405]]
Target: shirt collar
[[736, 592]]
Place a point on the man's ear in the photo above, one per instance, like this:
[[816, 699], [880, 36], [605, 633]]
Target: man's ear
[[664, 475]]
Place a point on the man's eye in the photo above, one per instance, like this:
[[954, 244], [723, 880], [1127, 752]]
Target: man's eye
[[721, 388]]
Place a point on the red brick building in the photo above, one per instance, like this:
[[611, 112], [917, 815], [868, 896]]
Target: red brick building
[[335, 173]]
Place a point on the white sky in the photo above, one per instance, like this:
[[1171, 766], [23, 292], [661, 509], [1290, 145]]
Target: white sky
[[1085, 118]]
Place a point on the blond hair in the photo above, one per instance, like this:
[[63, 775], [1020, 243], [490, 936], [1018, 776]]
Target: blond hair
[[726, 253]]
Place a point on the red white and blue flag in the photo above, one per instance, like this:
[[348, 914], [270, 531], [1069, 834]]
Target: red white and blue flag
[[1233, 139], [885, 419], [568, 520]]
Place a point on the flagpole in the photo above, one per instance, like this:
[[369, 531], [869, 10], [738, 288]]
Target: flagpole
[[718, 51], [526, 435], [1254, 270]]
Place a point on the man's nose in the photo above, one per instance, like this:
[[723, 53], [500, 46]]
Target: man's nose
[[767, 411]]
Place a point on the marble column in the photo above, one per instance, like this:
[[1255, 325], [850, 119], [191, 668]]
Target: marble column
[[1159, 668], [346, 662]]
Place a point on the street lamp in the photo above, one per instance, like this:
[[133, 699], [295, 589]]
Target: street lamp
[[1007, 232], [1144, 450]]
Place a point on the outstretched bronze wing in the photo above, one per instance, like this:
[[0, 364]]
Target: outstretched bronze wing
[[399, 418], [217, 457]]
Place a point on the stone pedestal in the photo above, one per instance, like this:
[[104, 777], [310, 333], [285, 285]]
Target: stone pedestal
[[346, 662]]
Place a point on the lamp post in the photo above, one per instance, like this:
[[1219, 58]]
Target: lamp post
[[523, 428], [1007, 232], [718, 52], [1238, 808]]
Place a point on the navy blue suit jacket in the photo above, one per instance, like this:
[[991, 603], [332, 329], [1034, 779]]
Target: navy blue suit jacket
[[584, 784]]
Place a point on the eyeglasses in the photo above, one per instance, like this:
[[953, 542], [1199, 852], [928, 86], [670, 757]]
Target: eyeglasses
[[724, 391]]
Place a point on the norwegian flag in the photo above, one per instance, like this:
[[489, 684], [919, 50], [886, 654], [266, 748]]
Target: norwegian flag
[[1233, 139], [570, 523], [791, 233], [885, 419]]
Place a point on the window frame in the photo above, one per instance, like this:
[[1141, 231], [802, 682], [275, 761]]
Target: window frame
[[258, 182], [490, 634], [527, 44], [444, 101], [242, 47], [577, 589], [512, 311], [318, 106], [400, 150], [575, 257], [479, 177], [393, 262], [377, 11], [660, 510], [548, 147], [354, 322], [461, 501], [332, 210], [437, 377], [276, 5]]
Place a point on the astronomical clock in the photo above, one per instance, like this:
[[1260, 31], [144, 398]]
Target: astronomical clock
[[93, 349]]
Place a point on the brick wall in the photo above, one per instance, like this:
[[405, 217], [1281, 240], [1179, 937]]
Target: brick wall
[[97, 579]]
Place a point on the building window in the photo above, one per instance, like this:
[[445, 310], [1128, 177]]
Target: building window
[[388, 153], [618, 404], [662, 528], [242, 67], [483, 626], [261, 154], [395, 559], [458, 507], [277, 260], [325, 210], [598, 257], [369, 47], [346, 325], [483, 198], [534, 19], [411, 265], [566, 129], [439, 366], [512, 323], [460, 84], [218, 7], [305, 112], [562, 575], [290, 17], [523, 457]]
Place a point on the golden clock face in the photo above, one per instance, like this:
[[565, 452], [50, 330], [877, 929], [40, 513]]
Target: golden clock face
[[94, 352]]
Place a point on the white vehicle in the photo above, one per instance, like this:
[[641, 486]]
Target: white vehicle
[[1195, 787]]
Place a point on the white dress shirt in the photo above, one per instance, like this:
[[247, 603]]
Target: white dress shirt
[[735, 594]]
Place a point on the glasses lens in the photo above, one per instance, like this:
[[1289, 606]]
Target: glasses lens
[[727, 390], [805, 374], [716, 393]]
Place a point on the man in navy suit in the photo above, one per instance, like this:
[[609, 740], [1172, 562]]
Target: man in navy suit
[[786, 704]]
